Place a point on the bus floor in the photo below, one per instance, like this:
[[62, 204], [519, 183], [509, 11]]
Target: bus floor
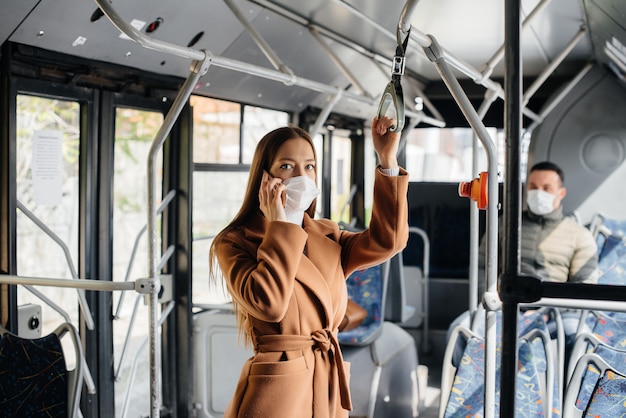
[[432, 359]]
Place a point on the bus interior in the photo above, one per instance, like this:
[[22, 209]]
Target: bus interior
[[127, 133]]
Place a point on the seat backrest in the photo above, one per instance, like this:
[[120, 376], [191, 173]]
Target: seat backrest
[[466, 396], [574, 407], [608, 396], [407, 299], [585, 343], [34, 380], [614, 357], [527, 322], [612, 249], [396, 306], [616, 226], [608, 232], [462, 385], [611, 330], [544, 360], [367, 287], [613, 265]]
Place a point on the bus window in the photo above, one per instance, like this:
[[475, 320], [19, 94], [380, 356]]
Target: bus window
[[134, 132], [217, 197], [445, 154], [224, 140], [341, 177], [256, 123], [216, 125], [47, 158]]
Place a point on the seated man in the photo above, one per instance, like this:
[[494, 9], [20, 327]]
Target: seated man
[[553, 246]]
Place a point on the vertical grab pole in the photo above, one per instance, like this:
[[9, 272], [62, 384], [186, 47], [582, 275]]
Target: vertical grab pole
[[435, 53], [490, 97], [198, 68], [512, 199]]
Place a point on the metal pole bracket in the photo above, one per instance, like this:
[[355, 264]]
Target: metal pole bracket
[[434, 51], [520, 288], [148, 285]]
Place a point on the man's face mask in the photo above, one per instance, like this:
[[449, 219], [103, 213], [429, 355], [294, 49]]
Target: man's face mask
[[540, 202], [301, 191]]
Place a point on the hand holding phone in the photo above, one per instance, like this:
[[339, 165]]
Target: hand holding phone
[[272, 198]]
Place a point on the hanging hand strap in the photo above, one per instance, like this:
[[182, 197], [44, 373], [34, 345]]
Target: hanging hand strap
[[393, 94]]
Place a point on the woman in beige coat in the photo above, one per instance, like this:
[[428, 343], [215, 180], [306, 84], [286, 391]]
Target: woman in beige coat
[[286, 274]]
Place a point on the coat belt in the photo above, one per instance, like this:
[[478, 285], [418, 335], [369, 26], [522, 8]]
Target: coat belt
[[324, 344]]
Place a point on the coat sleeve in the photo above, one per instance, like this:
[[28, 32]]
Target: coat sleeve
[[261, 281], [388, 231]]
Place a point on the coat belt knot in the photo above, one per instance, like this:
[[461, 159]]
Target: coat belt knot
[[322, 339], [327, 351]]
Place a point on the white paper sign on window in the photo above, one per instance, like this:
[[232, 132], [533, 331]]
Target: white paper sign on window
[[47, 167]]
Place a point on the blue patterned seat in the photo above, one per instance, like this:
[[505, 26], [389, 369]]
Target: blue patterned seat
[[607, 339], [609, 397], [610, 329], [611, 242], [616, 226], [466, 389], [366, 288], [612, 265], [597, 388], [611, 250], [467, 394], [614, 357]]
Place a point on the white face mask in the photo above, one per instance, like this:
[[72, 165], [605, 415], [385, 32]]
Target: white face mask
[[540, 202], [301, 191]]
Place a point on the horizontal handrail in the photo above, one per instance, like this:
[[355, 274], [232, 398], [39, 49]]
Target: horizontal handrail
[[240, 66], [87, 284], [596, 305]]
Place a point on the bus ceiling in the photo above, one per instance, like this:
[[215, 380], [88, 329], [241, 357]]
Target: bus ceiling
[[346, 45]]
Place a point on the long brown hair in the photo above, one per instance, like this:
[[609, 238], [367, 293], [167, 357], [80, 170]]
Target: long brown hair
[[264, 156]]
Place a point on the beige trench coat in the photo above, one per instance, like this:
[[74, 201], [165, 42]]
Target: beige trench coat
[[289, 282]]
